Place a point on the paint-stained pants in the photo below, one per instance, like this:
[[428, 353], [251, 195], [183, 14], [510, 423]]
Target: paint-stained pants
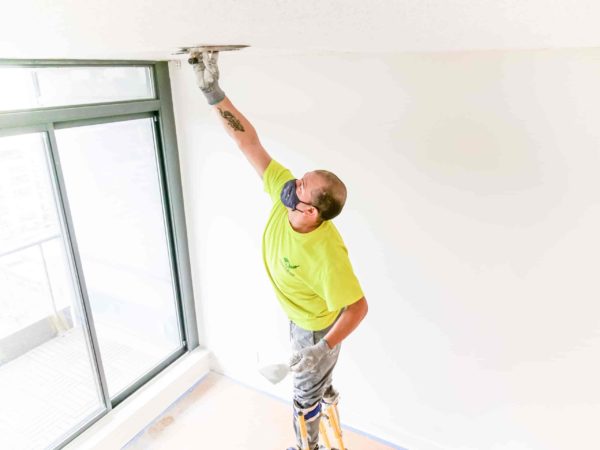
[[311, 387]]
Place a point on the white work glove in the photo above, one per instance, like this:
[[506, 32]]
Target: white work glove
[[207, 75], [307, 359]]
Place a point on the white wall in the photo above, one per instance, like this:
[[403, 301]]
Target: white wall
[[472, 223]]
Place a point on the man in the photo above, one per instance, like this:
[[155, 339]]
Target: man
[[305, 258]]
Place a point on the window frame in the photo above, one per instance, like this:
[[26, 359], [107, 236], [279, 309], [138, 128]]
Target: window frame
[[46, 120]]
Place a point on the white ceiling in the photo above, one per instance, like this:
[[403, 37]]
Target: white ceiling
[[143, 29]]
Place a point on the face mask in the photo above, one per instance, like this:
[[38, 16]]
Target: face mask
[[288, 195], [289, 198]]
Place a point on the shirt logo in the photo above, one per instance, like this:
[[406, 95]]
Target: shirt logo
[[288, 266]]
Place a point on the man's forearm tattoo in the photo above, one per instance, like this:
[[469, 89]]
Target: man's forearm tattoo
[[231, 120]]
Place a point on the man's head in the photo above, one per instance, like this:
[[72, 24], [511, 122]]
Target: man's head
[[321, 193], [328, 193]]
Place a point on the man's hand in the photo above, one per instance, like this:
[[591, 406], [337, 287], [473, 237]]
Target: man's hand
[[307, 359], [207, 75]]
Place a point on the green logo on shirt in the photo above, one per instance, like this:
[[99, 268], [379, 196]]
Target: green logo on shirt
[[287, 265]]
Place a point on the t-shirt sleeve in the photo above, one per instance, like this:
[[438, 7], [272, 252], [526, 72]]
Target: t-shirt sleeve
[[274, 177], [338, 285]]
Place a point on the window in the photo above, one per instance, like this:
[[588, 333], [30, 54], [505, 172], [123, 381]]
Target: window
[[36, 87], [46, 370], [112, 183], [95, 295]]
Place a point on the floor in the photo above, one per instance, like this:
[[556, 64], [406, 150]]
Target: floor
[[222, 414]]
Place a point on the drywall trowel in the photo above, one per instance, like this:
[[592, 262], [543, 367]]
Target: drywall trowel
[[195, 49], [269, 365], [274, 372]]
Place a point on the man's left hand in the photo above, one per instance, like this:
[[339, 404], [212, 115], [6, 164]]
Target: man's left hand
[[307, 359]]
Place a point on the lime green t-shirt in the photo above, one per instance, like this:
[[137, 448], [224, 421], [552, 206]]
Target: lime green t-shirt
[[311, 272]]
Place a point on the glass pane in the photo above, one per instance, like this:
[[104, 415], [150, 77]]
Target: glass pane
[[17, 89], [37, 87], [113, 189], [47, 379]]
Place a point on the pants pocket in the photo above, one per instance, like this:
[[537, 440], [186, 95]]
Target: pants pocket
[[300, 337], [318, 335]]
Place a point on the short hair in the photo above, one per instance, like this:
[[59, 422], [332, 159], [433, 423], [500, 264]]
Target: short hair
[[330, 198]]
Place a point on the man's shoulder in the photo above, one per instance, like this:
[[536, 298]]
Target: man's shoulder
[[275, 170], [334, 236], [330, 242], [274, 177]]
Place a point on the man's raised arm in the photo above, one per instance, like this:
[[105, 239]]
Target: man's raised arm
[[244, 134], [236, 125]]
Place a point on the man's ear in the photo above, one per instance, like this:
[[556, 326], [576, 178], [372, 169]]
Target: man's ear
[[312, 211]]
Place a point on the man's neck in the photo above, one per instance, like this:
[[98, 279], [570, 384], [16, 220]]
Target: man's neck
[[299, 226]]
